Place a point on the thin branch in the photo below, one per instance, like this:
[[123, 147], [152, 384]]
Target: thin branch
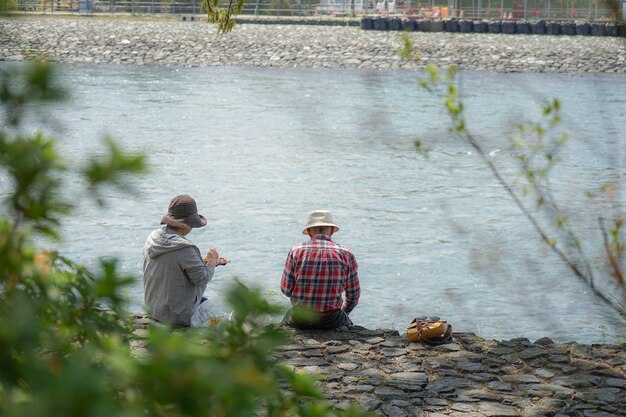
[[617, 271], [569, 232], [546, 195], [496, 173]]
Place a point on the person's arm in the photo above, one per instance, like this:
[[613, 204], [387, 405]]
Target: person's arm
[[288, 280], [196, 270], [353, 288]]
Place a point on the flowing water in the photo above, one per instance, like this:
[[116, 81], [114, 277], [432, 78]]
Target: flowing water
[[260, 148]]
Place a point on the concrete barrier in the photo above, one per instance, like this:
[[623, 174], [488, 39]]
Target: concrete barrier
[[380, 23], [494, 26], [539, 27], [583, 28], [423, 25], [612, 29], [522, 26], [409, 25], [395, 23], [367, 23], [508, 27], [553, 28], [597, 29], [466, 26], [568, 28], [480, 27], [436, 26], [451, 25]]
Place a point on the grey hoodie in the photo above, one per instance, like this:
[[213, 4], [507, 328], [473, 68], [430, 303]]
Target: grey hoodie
[[174, 276]]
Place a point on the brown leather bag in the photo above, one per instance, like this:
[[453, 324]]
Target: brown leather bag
[[430, 330]]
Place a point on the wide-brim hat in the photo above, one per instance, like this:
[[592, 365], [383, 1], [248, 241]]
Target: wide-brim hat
[[182, 212], [320, 218]]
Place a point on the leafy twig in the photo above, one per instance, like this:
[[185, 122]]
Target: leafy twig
[[459, 127]]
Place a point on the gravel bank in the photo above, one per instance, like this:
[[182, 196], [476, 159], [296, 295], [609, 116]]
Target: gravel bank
[[469, 377], [95, 40]]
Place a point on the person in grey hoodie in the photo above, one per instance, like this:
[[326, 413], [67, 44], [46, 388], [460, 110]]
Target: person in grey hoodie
[[175, 275]]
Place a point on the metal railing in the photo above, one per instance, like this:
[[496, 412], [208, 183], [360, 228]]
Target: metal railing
[[529, 9], [472, 9], [110, 6]]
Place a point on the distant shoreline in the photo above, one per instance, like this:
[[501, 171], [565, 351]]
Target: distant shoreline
[[120, 40]]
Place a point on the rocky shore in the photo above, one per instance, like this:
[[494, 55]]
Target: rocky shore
[[468, 377], [150, 42]]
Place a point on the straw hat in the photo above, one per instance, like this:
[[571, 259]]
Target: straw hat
[[183, 211], [320, 218]]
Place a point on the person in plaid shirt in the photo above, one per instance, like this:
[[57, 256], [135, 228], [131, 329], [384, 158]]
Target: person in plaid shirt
[[316, 275]]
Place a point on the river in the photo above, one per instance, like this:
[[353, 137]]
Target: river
[[260, 148]]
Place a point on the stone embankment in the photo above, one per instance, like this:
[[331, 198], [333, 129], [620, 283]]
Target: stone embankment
[[121, 41], [468, 377]]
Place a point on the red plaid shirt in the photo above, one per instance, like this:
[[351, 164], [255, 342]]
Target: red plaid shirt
[[317, 272]]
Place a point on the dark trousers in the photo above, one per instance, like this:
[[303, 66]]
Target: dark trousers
[[306, 319]]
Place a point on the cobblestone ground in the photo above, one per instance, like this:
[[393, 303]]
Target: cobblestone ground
[[468, 377]]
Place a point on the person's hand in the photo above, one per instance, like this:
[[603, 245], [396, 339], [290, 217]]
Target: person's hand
[[211, 257]]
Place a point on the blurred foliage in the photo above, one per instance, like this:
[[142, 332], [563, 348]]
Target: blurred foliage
[[222, 13], [408, 50], [537, 146], [6, 6], [65, 336], [57, 319]]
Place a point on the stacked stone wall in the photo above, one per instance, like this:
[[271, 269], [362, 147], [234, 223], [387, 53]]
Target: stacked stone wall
[[151, 42]]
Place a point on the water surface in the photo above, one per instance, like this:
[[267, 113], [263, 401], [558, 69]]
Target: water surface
[[260, 148]]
